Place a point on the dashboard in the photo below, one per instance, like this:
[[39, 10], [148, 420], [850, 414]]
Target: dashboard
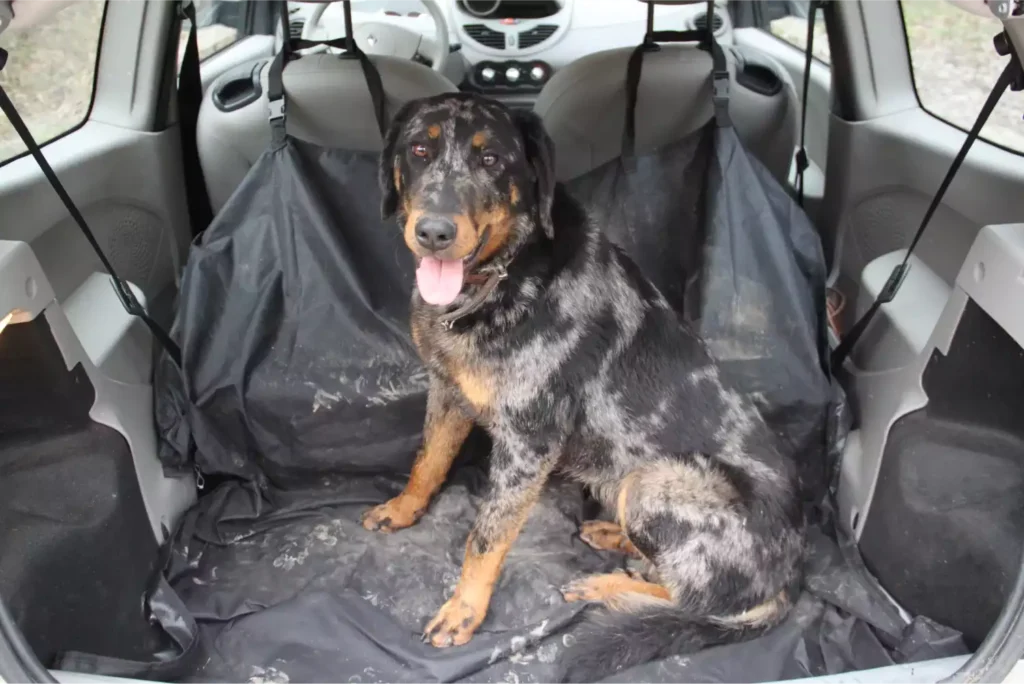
[[508, 49]]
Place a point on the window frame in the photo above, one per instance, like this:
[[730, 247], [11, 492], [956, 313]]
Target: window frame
[[92, 94], [926, 110]]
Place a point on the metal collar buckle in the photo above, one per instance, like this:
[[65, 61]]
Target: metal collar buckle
[[448, 320]]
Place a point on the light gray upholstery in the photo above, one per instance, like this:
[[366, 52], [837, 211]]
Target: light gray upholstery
[[328, 103], [584, 106]]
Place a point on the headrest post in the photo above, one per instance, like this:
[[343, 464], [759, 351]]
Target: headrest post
[[350, 40], [650, 21]]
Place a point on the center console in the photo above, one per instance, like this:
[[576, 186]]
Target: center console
[[508, 77], [504, 39]]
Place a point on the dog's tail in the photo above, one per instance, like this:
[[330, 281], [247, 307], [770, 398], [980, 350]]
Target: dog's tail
[[613, 641]]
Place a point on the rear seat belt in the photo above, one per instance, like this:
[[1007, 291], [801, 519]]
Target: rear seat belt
[[190, 98], [124, 292], [1010, 75], [802, 162], [634, 68]]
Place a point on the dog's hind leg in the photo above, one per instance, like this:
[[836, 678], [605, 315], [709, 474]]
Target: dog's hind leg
[[444, 431], [607, 536], [719, 553]]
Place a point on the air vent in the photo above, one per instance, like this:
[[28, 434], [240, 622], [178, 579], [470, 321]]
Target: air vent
[[538, 34], [485, 36], [701, 22], [295, 27]]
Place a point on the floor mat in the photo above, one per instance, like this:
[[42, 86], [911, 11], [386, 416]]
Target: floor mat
[[306, 591]]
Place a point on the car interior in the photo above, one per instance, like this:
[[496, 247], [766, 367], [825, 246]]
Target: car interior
[[181, 486]]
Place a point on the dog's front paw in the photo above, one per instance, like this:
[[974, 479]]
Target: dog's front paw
[[396, 514], [454, 624]]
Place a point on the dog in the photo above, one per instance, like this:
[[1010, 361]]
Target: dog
[[533, 325]]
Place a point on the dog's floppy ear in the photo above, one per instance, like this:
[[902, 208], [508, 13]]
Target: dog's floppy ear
[[386, 164], [540, 153]]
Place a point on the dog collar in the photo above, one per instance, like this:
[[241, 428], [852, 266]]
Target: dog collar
[[500, 273]]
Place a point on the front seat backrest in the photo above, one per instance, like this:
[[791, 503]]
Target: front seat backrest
[[328, 103], [584, 105]]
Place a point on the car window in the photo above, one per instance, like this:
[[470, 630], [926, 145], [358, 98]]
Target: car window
[[221, 24], [793, 30], [955, 67], [50, 74]]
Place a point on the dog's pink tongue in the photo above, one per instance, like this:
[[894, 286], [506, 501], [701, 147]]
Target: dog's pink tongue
[[440, 281]]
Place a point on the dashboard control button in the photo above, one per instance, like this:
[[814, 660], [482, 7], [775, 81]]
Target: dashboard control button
[[537, 73], [487, 73], [512, 74]]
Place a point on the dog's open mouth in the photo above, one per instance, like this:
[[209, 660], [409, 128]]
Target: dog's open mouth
[[440, 280]]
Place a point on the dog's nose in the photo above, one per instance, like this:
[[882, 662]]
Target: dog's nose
[[435, 233]]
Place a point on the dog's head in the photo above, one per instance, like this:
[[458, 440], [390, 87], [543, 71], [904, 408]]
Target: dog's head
[[470, 181]]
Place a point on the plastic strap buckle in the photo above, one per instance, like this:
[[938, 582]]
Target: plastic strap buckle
[[721, 86], [720, 95], [276, 108], [892, 285]]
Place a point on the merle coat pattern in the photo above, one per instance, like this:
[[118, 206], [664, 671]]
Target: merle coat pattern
[[574, 363]]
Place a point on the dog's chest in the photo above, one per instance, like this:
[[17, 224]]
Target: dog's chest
[[457, 359], [476, 385]]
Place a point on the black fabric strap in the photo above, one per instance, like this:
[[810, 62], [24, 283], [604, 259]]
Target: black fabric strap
[[720, 86], [124, 292], [275, 80], [190, 97], [720, 71], [282, 16], [275, 75], [634, 70], [802, 162], [899, 274], [376, 86]]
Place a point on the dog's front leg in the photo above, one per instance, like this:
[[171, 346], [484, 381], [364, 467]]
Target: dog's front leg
[[444, 431], [517, 477]]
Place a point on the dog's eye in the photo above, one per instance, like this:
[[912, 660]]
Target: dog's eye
[[489, 159], [420, 151]]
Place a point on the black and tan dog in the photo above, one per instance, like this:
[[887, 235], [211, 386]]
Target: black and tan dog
[[534, 326]]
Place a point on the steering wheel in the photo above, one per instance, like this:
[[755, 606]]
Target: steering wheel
[[383, 38]]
